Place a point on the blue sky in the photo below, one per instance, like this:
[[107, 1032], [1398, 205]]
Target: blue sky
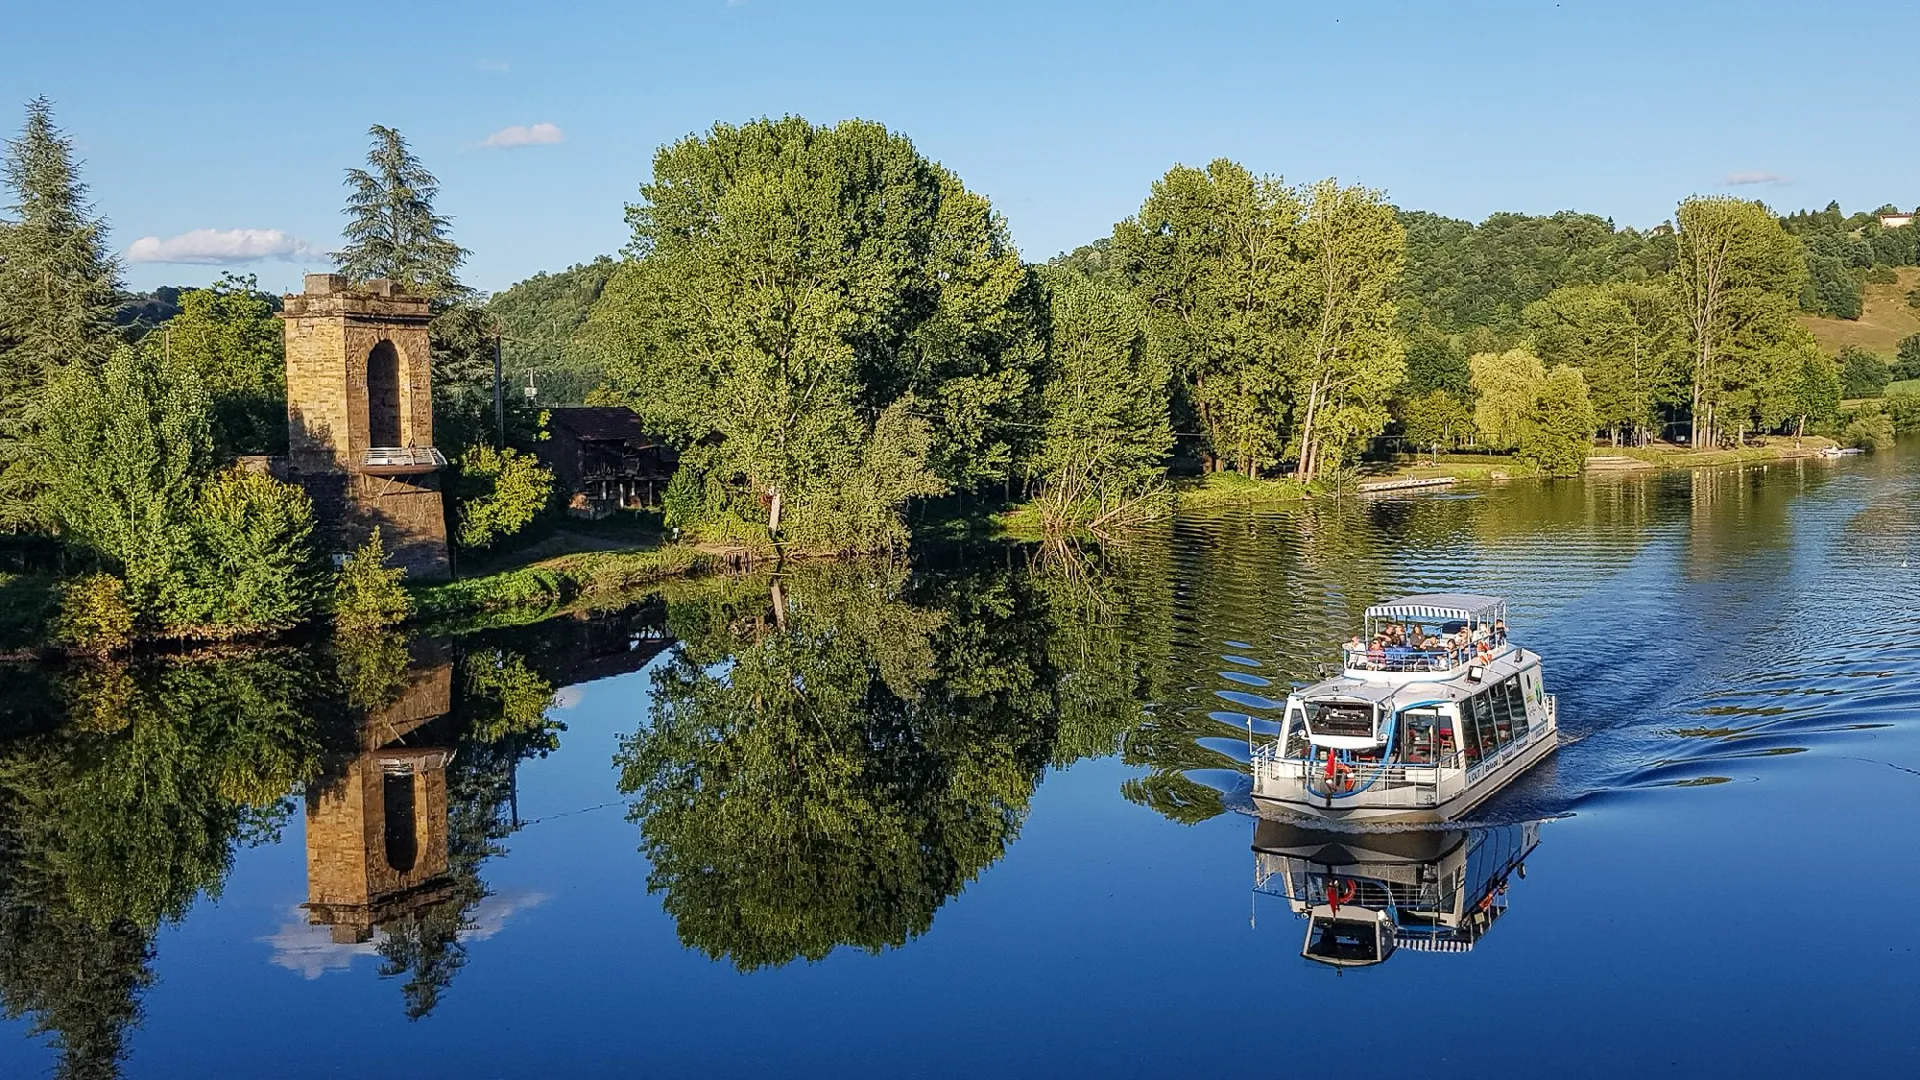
[[222, 117]]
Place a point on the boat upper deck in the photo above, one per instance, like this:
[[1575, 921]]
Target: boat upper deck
[[1427, 636]]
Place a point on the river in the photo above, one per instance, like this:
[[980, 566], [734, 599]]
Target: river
[[986, 814]]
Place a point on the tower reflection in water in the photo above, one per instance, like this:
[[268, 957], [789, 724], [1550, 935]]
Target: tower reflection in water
[[1364, 895], [377, 821]]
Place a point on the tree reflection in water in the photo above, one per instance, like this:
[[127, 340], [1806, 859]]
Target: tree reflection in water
[[835, 752]]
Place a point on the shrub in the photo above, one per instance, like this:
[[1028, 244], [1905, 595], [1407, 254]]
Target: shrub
[[252, 569], [497, 494], [94, 614], [368, 593], [1882, 275], [1870, 429]]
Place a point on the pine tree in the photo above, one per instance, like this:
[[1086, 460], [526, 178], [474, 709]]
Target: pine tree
[[393, 232], [58, 289]]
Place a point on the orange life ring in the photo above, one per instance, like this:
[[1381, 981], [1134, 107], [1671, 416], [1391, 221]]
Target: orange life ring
[[1339, 775], [1338, 895]]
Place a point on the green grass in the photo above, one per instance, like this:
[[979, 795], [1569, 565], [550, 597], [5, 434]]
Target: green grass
[[1774, 448], [1904, 386], [27, 607], [1885, 318], [532, 593], [1233, 489]]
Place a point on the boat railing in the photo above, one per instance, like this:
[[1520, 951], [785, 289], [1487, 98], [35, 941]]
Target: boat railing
[[1376, 784], [1405, 660]]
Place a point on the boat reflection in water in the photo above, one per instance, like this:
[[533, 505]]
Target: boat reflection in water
[[1366, 894]]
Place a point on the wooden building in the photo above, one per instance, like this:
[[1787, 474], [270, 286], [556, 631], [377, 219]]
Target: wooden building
[[603, 461]]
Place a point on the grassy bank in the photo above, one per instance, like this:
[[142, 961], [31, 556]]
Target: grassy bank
[[1233, 489], [1773, 448], [539, 590]]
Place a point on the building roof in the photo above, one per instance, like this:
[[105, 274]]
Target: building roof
[[601, 423], [1466, 607]]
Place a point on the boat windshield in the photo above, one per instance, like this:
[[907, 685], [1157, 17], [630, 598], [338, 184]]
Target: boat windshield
[[1343, 941], [1340, 719]]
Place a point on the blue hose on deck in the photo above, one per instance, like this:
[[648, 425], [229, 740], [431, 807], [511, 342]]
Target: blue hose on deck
[[1392, 722]]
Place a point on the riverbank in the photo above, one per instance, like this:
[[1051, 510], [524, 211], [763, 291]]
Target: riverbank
[[540, 590]]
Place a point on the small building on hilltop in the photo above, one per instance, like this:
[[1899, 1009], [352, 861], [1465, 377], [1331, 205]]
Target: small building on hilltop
[[1897, 219], [602, 460]]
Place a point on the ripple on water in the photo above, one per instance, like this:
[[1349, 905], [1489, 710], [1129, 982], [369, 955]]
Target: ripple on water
[[1686, 619]]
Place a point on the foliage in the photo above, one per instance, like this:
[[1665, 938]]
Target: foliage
[[539, 319], [367, 593], [1735, 274], [1869, 429], [1559, 431], [1102, 459], [1816, 396], [1460, 276], [1863, 374], [1832, 288], [506, 698], [1436, 418], [1270, 306], [828, 759], [1210, 255], [794, 310], [58, 291], [1627, 340], [393, 230], [497, 494], [228, 335], [1505, 386], [253, 568], [1906, 363], [123, 447], [1350, 357], [94, 615]]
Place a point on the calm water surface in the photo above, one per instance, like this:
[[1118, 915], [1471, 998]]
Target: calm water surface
[[987, 815]]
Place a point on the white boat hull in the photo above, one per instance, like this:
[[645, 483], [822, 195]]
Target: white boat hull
[[1293, 799]]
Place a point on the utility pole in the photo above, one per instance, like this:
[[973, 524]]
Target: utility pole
[[499, 399]]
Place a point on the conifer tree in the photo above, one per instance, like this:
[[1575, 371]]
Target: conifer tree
[[394, 232], [58, 289]]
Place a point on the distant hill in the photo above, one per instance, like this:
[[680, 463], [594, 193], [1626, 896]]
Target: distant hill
[[1884, 319]]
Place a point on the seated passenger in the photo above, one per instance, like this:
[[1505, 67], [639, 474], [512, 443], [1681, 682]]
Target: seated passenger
[[1500, 631], [1377, 652]]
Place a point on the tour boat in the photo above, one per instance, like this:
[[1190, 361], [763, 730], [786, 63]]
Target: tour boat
[[1411, 730], [1365, 894]]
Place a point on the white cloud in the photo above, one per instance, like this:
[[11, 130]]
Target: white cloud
[[1753, 176], [218, 246], [567, 697], [493, 65], [309, 949], [524, 135]]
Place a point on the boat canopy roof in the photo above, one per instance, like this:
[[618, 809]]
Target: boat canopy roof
[[1464, 607]]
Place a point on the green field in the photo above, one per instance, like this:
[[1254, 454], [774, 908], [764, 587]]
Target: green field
[[1904, 386]]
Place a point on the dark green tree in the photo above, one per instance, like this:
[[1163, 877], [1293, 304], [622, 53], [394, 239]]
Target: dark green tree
[[58, 292], [539, 319], [1863, 374], [394, 232], [228, 334]]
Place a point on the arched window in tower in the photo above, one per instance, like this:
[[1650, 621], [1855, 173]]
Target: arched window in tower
[[383, 396], [402, 843]]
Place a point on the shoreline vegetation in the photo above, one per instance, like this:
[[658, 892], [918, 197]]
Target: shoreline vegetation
[[837, 344]]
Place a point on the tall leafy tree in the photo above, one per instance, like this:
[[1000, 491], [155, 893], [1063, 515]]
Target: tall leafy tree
[[1103, 455], [786, 318], [1211, 255], [1626, 338], [1349, 355], [1737, 273], [58, 289], [228, 334]]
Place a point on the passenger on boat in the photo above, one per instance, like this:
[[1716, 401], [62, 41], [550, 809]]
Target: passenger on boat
[[1500, 631]]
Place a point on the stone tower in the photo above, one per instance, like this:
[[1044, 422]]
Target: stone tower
[[360, 418]]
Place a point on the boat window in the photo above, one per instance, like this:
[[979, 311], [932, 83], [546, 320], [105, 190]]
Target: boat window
[[1517, 703], [1416, 735], [1344, 940], [1500, 706], [1349, 718], [1294, 740], [1486, 723]]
